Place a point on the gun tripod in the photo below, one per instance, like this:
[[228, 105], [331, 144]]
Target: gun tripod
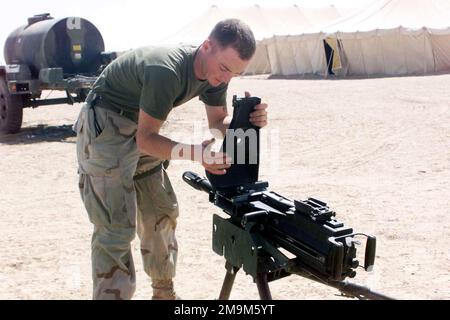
[[261, 281], [347, 289]]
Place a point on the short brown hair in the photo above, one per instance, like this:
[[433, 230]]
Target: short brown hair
[[235, 34]]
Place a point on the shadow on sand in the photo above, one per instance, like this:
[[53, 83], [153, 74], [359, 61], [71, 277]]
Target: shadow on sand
[[40, 133]]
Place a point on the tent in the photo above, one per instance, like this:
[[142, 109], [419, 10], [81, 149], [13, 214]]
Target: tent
[[388, 37], [296, 55], [264, 22]]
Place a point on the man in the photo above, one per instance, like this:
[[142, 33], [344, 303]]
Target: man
[[121, 153]]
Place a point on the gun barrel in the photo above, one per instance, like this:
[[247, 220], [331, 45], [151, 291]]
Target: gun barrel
[[348, 289], [197, 182], [358, 291]]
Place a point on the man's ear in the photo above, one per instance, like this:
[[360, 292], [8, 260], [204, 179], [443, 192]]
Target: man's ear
[[207, 46]]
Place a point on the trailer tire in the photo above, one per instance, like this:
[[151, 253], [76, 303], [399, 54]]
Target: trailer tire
[[11, 109]]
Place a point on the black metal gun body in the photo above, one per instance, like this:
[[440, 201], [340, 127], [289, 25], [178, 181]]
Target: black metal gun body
[[261, 223]]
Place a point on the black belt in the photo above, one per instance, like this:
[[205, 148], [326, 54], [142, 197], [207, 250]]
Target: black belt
[[99, 102]]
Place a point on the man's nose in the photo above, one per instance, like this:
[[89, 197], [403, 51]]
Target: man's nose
[[226, 77]]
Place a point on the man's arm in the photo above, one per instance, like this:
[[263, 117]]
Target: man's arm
[[218, 120], [149, 141]]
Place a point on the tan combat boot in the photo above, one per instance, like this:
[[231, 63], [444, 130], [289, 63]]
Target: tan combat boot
[[163, 290]]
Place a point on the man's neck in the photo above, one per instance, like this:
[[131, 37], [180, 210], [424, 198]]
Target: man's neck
[[198, 65]]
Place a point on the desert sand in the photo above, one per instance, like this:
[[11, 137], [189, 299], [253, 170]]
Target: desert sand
[[376, 150]]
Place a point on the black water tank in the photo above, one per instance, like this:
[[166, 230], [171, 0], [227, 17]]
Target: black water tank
[[73, 44]]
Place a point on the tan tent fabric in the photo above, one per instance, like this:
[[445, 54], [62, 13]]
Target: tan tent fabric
[[388, 52], [395, 37], [441, 49], [391, 14], [388, 37], [293, 55], [265, 23]]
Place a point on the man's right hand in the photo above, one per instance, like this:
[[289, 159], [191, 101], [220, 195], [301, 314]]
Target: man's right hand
[[214, 162]]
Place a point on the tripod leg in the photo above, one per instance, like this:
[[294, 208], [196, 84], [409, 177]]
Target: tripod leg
[[263, 286], [228, 282]]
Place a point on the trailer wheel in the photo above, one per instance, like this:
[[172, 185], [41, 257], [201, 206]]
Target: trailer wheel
[[11, 111]]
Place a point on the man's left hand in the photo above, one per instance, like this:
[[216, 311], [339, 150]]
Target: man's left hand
[[258, 117]]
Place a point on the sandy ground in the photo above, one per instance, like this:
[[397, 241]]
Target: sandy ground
[[378, 151]]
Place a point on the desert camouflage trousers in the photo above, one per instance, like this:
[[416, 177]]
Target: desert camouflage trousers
[[124, 192]]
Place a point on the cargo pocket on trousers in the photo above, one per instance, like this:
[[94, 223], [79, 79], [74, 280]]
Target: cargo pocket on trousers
[[107, 200], [95, 182]]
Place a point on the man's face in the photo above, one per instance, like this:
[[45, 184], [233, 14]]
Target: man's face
[[221, 64]]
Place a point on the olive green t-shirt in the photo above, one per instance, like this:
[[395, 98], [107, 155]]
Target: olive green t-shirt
[[156, 80]]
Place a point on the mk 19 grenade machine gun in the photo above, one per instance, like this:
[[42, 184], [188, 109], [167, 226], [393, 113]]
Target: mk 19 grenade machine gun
[[270, 236], [48, 54]]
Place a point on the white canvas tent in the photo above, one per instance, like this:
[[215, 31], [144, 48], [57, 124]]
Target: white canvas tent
[[297, 54], [388, 37], [264, 22]]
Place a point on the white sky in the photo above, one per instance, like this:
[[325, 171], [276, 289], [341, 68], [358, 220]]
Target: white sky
[[133, 23]]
